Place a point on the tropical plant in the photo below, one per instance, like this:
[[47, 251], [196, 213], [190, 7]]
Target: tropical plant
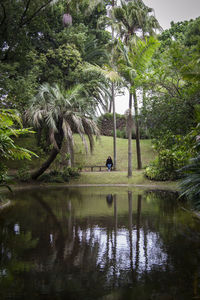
[[11, 126], [62, 112], [132, 65], [190, 184], [134, 17]]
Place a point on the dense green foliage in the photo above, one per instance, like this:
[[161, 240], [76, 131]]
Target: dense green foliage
[[54, 72], [172, 93], [43, 49], [10, 126]]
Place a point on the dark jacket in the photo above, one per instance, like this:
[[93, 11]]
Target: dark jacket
[[109, 161]]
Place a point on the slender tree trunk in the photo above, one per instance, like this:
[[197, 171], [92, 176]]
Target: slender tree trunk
[[110, 106], [137, 133], [114, 115], [114, 130], [129, 129]]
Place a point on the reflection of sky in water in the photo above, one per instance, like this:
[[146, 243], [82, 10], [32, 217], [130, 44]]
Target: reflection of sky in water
[[146, 249]]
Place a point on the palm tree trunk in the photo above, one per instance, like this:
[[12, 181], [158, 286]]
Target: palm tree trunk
[[54, 152], [114, 114], [137, 133], [45, 165], [129, 127], [114, 130]]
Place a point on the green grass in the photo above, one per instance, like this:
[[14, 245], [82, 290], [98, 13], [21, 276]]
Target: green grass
[[120, 177], [104, 147]]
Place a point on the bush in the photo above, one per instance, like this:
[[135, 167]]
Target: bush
[[3, 173], [166, 165], [60, 176], [121, 133], [23, 174]]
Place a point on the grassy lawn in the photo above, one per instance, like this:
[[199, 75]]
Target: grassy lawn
[[102, 149], [120, 177]]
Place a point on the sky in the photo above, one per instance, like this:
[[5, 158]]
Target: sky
[[165, 12]]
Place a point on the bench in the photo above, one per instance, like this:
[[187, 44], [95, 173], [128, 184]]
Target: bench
[[93, 167]]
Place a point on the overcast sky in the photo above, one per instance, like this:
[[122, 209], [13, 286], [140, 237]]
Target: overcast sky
[[165, 12], [174, 10]]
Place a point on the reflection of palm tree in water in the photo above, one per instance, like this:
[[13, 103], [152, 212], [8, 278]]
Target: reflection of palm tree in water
[[130, 229], [79, 248], [139, 206], [72, 250], [134, 272]]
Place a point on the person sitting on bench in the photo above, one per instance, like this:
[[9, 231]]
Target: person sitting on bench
[[109, 163]]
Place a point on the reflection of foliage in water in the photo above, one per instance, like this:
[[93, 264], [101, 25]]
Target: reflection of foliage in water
[[14, 247], [134, 242]]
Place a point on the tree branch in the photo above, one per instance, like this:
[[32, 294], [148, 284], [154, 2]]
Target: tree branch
[[4, 14], [35, 13], [24, 13]]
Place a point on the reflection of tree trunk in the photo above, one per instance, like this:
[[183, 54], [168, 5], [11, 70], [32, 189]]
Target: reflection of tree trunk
[[145, 247], [70, 218], [130, 228], [137, 133], [138, 231], [129, 129], [115, 239], [60, 237]]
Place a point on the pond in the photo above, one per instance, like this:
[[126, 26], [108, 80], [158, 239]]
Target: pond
[[98, 243]]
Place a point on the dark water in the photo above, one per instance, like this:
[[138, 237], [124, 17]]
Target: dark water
[[98, 243]]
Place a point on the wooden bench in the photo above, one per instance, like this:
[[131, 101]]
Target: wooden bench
[[93, 167]]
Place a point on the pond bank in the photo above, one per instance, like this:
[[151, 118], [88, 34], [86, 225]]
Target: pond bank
[[100, 179]]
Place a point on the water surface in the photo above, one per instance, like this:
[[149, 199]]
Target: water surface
[[98, 243]]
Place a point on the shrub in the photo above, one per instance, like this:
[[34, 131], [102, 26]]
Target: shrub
[[23, 174], [121, 133], [166, 165], [3, 173], [190, 184], [60, 176]]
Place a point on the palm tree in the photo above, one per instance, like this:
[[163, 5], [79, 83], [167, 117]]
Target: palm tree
[[132, 65], [190, 184], [133, 19], [62, 112]]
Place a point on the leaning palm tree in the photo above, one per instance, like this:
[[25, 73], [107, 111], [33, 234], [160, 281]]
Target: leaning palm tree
[[61, 113]]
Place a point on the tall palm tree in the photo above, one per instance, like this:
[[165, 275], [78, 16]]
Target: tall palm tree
[[135, 20], [62, 112], [132, 65]]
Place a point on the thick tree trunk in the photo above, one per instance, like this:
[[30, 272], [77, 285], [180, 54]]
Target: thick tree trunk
[[45, 165], [137, 133], [130, 127], [54, 152]]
